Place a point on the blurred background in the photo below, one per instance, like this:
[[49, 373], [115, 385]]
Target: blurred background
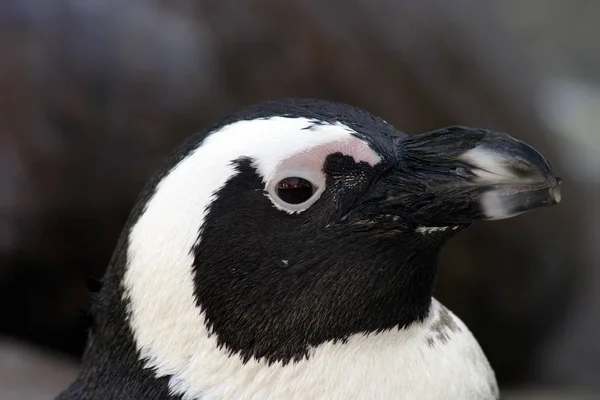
[[94, 94]]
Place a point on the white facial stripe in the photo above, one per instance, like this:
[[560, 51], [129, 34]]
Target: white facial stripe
[[168, 327], [278, 139], [308, 165], [350, 146]]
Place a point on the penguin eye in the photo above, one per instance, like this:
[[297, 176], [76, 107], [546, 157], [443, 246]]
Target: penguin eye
[[295, 190]]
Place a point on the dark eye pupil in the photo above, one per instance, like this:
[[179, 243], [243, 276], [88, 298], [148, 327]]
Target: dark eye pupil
[[294, 190]]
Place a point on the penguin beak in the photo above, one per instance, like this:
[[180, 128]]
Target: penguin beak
[[458, 175], [516, 178]]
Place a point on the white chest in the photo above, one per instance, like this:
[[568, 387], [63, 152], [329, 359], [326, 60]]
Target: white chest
[[439, 359]]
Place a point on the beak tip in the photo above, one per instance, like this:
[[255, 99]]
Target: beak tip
[[555, 191]]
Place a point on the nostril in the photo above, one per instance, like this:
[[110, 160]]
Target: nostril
[[558, 181], [461, 171]]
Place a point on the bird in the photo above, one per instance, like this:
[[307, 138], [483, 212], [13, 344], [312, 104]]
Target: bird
[[290, 251]]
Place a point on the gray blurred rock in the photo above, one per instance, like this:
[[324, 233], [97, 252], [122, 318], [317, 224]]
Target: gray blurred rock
[[547, 394], [562, 38], [27, 373]]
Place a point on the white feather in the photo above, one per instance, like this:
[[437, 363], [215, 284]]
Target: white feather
[[424, 230]]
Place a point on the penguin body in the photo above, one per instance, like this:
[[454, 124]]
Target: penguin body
[[291, 251]]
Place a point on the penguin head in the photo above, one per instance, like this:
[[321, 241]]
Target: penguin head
[[297, 222]]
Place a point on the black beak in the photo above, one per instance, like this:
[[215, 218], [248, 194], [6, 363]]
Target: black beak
[[460, 175], [516, 177]]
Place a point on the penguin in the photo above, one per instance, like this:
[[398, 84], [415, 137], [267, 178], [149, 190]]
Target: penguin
[[290, 251]]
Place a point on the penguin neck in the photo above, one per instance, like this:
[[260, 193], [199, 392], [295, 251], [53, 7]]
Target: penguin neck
[[324, 299], [399, 291]]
